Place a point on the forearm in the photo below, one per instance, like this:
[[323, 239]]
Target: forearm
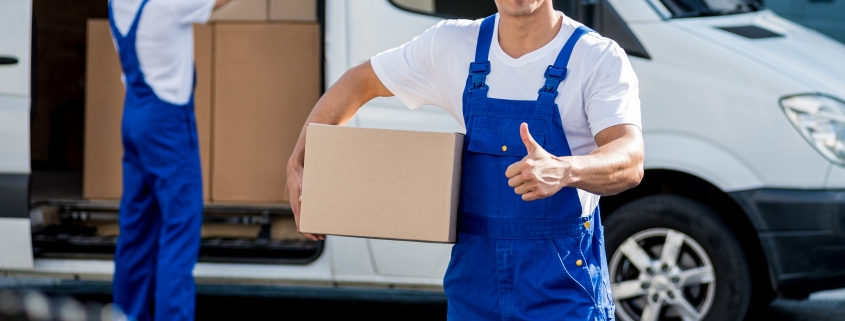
[[611, 169], [337, 106]]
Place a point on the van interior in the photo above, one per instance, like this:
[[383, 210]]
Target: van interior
[[66, 225]]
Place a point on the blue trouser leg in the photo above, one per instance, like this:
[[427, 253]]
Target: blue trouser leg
[[168, 185], [179, 245], [137, 246]]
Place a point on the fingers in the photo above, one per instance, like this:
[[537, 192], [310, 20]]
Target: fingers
[[516, 181], [523, 189], [530, 143], [315, 237], [532, 196], [514, 170]]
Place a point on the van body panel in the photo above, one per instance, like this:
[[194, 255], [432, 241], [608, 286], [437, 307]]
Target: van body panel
[[16, 249], [317, 272], [801, 54], [635, 11], [14, 133], [351, 259], [14, 195], [16, 24], [701, 158], [835, 177], [692, 85], [802, 233]]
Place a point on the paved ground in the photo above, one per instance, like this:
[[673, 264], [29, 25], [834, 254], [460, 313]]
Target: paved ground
[[828, 306]]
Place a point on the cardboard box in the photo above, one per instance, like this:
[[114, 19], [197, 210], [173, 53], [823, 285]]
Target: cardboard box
[[293, 10], [241, 10], [267, 80], [104, 94], [381, 183]]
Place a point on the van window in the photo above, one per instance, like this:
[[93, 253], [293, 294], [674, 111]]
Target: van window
[[596, 14], [462, 9], [702, 8]]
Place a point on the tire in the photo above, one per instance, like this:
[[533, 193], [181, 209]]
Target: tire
[[687, 290]]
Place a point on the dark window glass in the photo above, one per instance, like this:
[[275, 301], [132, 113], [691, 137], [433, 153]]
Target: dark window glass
[[702, 8], [596, 14]]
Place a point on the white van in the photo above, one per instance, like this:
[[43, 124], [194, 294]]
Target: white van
[[743, 197]]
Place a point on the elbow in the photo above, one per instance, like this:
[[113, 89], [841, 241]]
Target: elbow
[[629, 180], [636, 177]]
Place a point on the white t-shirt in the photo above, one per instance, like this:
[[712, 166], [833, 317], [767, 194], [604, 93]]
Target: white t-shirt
[[600, 90], [165, 42]]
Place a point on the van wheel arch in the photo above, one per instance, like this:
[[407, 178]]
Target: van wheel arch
[[669, 182]]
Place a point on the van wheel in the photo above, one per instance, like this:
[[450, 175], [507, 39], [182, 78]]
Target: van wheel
[[674, 259]]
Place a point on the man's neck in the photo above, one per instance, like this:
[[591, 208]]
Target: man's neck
[[519, 35]]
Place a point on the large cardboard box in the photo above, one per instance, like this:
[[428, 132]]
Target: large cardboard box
[[381, 183], [293, 10], [267, 80], [104, 94], [241, 10]]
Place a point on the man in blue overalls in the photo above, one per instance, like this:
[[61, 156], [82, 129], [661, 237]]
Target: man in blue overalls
[[161, 206], [552, 119]]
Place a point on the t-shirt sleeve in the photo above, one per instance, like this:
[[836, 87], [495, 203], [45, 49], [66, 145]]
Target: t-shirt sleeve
[[612, 92], [192, 11], [408, 71]]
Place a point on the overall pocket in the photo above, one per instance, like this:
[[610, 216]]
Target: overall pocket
[[570, 255]]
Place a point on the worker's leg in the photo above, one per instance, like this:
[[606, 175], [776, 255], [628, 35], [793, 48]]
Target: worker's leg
[[175, 167], [137, 245]]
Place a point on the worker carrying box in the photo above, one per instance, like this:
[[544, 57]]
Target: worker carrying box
[[552, 119]]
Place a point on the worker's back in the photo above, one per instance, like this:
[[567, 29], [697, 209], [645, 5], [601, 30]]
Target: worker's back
[[164, 42]]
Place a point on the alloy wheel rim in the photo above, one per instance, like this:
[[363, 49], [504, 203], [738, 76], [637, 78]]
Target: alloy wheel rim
[[662, 274]]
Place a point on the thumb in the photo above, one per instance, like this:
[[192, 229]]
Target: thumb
[[530, 143]]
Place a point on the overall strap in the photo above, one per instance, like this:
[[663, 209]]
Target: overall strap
[[480, 68], [132, 28], [556, 73]]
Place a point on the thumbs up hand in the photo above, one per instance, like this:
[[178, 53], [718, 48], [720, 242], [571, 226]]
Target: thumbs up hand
[[539, 174]]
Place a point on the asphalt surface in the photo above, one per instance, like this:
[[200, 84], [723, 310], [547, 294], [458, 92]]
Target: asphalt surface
[[828, 306]]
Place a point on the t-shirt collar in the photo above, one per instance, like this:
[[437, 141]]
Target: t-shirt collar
[[566, 29]]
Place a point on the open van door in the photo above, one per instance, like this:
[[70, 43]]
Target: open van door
[[15, 237]]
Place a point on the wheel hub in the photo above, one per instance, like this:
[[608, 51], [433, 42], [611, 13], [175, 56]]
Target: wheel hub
[[661, 282]]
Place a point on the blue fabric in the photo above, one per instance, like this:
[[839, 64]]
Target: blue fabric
[[516, 260], [161, 207]]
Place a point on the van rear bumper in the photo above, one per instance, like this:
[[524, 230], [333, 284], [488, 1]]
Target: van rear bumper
[[802, 233]]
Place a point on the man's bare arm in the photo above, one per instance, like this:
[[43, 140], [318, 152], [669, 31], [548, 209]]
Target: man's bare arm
[[337, 106], [614, 167]]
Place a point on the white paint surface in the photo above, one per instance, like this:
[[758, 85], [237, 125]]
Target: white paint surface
[[15, 244]]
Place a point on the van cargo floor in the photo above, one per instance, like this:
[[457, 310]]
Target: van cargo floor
[[72, 228]]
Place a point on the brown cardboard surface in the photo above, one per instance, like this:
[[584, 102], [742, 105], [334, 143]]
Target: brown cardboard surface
[[104, 93], [267, 80], [293, 10], [284, 229], [222, 230], [241, 10], [203, 41], [380, 183]]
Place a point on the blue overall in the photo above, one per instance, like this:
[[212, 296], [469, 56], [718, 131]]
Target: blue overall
[[161, 207], [518, 260]]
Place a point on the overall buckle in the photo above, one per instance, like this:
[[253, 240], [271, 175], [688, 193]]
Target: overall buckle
[[554, 76], [479, 71]]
